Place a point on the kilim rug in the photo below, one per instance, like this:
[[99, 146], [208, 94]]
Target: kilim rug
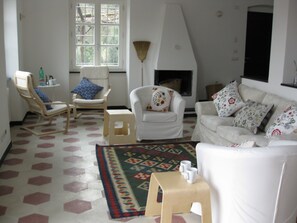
[[125, 172]]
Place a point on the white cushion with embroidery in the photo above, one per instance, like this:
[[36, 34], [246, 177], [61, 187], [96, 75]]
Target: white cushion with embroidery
[[160, 100], [253, 116], [227, 101], [285, 123]]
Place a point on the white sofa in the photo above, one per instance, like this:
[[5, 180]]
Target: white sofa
[[213, 129], [250, 185]]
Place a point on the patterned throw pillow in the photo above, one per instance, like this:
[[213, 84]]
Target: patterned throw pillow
[[86, 89], [286, 122], [227, 101], [44, 98], [160, 100], [253, 116]]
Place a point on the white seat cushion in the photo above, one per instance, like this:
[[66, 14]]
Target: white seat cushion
[[56, 108], [259, 138], [151, 116], [213, 121], [232, 133], [85, 101]]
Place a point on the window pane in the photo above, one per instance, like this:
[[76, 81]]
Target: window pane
[[109, 55], [109, 35], [85, 55], [85, 34], [85, 13], [110, 14]]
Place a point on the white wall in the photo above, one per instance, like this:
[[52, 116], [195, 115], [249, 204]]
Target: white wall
[[283, 38], [46, 41], [291, 47], [13, 59], [5, 137]]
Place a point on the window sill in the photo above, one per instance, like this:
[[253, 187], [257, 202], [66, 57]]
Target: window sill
[[111, 71], [289, 85], [255, 79]]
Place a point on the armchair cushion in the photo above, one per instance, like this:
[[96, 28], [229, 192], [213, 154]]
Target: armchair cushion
[[44, 98], [160, 100], [86, 89], [149, 116]]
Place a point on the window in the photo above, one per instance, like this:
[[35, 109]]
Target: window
[[97, 34]]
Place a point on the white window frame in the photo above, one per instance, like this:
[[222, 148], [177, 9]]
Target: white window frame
[[122, 40]]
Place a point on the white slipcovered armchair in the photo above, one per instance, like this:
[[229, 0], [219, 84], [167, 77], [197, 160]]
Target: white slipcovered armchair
[[151, 125], [251, 185]]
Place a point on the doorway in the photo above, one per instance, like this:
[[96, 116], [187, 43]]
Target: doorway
[[258, 43]]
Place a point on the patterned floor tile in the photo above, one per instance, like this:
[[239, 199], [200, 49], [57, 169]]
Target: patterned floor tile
[[40, 180], [42, 166], [75, 186], [8, 174], [2, 210], [36, 198], [32, 218], [77, 206], [5, 190]]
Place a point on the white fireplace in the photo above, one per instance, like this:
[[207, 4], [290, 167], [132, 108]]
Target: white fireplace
[[175, 58]]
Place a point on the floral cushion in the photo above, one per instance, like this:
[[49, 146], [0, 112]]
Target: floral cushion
[[285, 123], [44, 98], [227, 101], [160, 100], [86, 89], [253, 116]]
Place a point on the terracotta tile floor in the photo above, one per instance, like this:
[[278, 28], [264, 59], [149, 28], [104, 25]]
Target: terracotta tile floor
[[55, 179]]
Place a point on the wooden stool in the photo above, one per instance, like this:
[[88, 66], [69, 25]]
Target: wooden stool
[[178, 196], [124, 134]]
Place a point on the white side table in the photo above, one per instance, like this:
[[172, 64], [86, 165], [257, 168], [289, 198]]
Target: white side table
[[49, 89]]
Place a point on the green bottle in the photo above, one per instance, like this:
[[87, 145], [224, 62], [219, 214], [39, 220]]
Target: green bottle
[[41, 77]]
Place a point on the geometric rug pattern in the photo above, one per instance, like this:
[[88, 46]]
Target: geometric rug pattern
[[55, 179], [125, 171]]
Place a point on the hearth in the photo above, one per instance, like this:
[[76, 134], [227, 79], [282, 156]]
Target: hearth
[[179, 80]]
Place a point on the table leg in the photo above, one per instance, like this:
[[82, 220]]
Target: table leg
[[152, 206], [106, 123], [206, 208], [166, 211]]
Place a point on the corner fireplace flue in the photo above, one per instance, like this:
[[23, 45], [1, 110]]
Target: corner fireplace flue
[[179, 80], [176, 66]]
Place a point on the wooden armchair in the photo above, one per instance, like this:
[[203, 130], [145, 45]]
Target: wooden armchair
[[25, 86], [98, 75]]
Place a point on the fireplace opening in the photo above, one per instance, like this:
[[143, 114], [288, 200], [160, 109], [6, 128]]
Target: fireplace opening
[[179, 80]]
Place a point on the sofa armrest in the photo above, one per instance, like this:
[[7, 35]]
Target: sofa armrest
[[205, 108]]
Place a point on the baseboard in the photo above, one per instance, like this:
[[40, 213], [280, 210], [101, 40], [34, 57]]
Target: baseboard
[[190, 112], [14, 123], [117, 107], [5, 153]]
